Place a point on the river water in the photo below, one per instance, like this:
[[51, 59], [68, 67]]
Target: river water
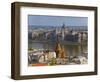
[[70, 49]]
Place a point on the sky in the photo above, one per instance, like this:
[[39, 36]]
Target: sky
[[41, 20]]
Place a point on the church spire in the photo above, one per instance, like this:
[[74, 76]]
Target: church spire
[[63, 26], [63, 31]]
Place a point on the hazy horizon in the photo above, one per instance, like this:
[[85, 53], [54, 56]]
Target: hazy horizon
[[40, 20]]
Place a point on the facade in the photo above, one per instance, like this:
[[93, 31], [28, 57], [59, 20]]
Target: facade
[[63, 33]]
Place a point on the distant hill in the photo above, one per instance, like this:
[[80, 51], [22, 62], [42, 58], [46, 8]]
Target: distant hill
[[53, 27]]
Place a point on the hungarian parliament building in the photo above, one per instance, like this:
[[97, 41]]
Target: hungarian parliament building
[[63, 33]]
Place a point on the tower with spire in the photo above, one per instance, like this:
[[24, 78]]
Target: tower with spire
[[60, 52], [63, 31]]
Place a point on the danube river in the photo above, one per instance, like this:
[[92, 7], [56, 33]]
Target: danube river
[[71, 49]]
